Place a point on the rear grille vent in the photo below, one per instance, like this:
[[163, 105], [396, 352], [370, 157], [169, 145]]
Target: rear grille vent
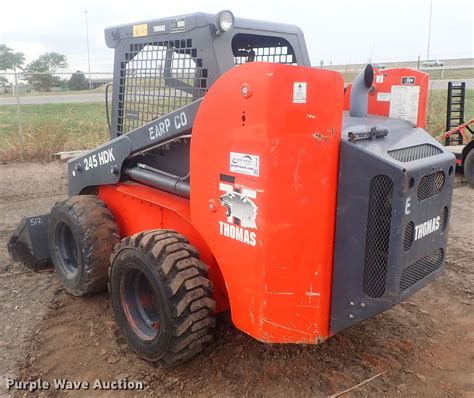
[[421, 269], [408, 237], [416, 152], [430, 185], [378, 236], [443, 223]]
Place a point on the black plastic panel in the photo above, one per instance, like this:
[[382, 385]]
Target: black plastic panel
[[385, 235]]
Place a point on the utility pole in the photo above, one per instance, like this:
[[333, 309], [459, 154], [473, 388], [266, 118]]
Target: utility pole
[[429, 32], [88, 53]]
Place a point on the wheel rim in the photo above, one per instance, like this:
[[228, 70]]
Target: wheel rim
[[67, 249], [140, 304]]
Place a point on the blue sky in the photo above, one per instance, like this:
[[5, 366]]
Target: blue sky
[[340, 31]]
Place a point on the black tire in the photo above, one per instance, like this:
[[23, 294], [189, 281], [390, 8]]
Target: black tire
[[82, 234], [161, 297], [468, 167]]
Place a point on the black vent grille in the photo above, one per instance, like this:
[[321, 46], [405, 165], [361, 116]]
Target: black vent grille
[[378, 236], [443, 222], [416, 152], [409, 235], [157, 78], [421, 269], [430, 185]]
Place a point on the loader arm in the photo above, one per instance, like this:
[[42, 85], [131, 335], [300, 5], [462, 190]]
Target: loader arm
[[103, 165]]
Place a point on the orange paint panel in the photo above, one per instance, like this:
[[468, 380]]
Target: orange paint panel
[[287, 120]]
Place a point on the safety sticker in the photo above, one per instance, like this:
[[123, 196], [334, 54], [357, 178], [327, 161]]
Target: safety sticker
[[244, 163], [383, 97], [299, 92], [140, 30], [408, 80], [379, 79], [404, 103], [177, 25], [159, 28]]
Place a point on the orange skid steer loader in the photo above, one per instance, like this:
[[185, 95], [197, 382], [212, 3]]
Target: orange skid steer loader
[[239, 177]]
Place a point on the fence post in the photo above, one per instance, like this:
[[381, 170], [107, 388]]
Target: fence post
[[18, 107]]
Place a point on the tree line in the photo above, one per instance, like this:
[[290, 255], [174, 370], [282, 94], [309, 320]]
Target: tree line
[[40, 73]]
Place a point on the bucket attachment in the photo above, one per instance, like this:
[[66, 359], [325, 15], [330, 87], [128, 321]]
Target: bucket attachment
[[29, 243]]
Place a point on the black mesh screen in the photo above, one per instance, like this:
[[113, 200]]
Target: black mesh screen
[[416, 152], [430, 185], [443, 223], [420, 269], [378, 236], [408, 236], [157, 78], [259, 48]]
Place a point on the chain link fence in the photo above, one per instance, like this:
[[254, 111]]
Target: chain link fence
[[60, 111]]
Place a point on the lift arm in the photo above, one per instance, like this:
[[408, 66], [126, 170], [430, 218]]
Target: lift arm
[[103, 165]]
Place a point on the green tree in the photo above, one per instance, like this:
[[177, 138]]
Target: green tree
[[40, 72], [4, 85], [78, 81], [10, 59]]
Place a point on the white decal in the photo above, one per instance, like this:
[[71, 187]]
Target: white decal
[[159, 28], [383, 97], [379, 79], [426, 228], [299, 92], [99, 159], [163, 127], [407, 205], [35, 221], [240, 207], [235, 232], [241, 213], [245, 164], [404, 103]]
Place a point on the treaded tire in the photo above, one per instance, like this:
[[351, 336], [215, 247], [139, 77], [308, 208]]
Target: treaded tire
[[161, 297], [82, 234], [468, 167]]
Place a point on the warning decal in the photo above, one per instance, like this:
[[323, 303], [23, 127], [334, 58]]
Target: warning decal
[[404, 102], [140, 30], [299, 92], [383, 97]]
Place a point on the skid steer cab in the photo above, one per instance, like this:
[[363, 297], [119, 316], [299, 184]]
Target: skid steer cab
[[239, 177]]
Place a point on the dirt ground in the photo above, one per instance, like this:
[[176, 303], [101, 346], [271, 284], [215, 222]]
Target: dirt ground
[[425, 346]]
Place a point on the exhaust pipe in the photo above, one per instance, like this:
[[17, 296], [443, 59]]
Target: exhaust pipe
[[359, 92]]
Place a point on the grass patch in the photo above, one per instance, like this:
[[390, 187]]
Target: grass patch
[[436, 110], [467, 73], [50, 128]]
